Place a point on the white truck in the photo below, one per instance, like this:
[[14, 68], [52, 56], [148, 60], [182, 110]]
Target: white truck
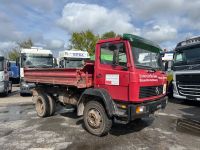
[[36, 57], [5, 83], [72, 58], [186, 70]]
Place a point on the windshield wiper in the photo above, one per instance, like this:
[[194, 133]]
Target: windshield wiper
[[146, 67], [192, 67], [44, 65]]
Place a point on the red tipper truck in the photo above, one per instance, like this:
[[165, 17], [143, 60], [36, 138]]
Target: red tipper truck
[[124, 83]]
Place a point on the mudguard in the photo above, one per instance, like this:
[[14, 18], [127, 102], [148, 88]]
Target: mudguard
[[104, 97]]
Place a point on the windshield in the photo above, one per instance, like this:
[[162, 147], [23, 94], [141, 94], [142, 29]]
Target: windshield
[[187, 56], [37, 61], [73, 63], [146, 59], [1, 64]]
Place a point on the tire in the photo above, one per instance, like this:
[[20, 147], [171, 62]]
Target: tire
[[42, 106], [52, 105], [23, 94], [6, 92], [95, 119], [10, 91], [170, 90]]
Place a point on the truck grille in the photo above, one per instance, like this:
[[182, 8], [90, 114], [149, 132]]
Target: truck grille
[[148, 91], [188, 78], [188, 85]]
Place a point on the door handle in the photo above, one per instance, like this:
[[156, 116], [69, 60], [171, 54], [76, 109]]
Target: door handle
[[99, 75]]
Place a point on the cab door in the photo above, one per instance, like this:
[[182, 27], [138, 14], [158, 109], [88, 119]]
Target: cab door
[[111, 71]]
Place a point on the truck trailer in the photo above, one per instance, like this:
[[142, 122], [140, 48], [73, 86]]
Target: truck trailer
[[115, 89]]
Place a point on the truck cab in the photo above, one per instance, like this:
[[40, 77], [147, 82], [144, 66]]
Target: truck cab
[[186, 69], [130, 69], [36, 57], [14, 72], [5, 83], [72, 58]]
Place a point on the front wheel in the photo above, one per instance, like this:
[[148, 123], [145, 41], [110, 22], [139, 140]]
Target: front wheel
[[95, 119]]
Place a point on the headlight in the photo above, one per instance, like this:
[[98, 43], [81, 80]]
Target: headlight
[[164, 88]]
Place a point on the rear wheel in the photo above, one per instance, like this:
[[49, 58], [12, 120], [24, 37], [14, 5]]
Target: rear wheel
[[42, 106], [95, 119], [52, 105]]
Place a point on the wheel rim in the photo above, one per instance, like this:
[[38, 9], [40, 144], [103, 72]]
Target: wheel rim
[[94, 118], [39, 106]]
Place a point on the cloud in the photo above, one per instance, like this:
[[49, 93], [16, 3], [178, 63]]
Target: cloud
[[160, 33], [7, 45], [78, 17], [179, 13], [55, 44], [42, 5], [8, 30]]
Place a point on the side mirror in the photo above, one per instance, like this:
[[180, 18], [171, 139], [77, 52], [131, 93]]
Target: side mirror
[[166, 66], [172, 65], [116, 57], [8, 64], [17, 61]]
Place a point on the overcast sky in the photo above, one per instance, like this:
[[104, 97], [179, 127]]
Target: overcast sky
[[50, 22]]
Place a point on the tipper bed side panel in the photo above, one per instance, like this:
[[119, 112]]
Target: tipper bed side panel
[[81, 78]]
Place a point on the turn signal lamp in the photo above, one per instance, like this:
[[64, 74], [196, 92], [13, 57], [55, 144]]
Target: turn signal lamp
[[140, 109]]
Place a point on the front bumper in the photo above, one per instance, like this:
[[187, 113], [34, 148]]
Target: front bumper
[[25, 88], [149, 108]]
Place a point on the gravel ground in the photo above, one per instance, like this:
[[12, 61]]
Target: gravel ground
[[20, 128]]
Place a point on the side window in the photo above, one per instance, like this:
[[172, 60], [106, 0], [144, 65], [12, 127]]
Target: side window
[[122, 54], [179, 57], [107, 53]]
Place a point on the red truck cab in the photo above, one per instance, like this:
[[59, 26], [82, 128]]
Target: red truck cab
[[124, 83], [129, 69]]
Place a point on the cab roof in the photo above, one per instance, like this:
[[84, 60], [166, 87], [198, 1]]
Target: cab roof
[[137, 42], [188, 42]]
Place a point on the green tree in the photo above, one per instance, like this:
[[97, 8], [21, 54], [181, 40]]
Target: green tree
[[15, 52], [87, 40], [110, 34], [25, 44], [84, 41]]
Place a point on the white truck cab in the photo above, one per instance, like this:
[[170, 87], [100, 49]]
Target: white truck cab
[[35, 57], [5, 83], [186, 69], [72, 58]]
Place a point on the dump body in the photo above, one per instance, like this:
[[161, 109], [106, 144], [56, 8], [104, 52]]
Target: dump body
[[77, 77]]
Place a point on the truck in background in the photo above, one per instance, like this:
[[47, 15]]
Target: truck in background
[[5, 83], [72, 58], [167, 59], [36, 57], [186, 70], [116, 88], [14, 72]]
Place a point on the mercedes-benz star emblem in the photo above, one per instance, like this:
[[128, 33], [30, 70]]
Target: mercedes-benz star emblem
[[157, 91]]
